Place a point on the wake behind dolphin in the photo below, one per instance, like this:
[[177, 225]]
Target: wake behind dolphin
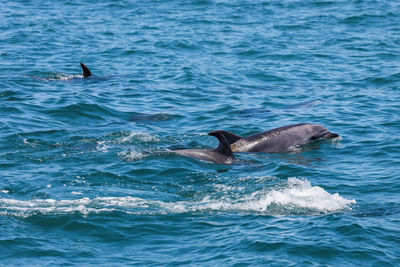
[[56, 76]]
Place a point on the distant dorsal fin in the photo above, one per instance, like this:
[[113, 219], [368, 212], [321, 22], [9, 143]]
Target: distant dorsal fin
[[86, 71], [223, 147]]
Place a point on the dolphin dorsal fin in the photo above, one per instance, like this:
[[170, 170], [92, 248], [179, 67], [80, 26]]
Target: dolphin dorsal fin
[[230, 137], [223, 147], [86, 71]]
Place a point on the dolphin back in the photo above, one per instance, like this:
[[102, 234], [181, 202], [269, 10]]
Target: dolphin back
[[280, 139]]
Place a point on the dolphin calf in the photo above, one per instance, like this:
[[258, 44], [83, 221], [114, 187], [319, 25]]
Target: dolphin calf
[[85, 71], [278, 139], [221, 155]]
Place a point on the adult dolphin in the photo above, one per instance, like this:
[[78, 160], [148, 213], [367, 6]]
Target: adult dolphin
[[221, 155], [278, 139]]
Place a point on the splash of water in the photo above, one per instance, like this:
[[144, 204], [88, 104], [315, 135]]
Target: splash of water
[[296, 196]]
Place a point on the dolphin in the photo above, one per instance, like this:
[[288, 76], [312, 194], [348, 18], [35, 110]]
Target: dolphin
[[278, 139], [221, 155], [85, 71]]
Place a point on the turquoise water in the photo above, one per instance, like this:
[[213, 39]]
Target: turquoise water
[[86, 173]]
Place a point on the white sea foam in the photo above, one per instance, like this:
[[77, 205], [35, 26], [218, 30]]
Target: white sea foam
[[131, 155], [300, 194], [66, 77], [57, 77], [31, 143], [140, 136], [296, 196], [102, 146]]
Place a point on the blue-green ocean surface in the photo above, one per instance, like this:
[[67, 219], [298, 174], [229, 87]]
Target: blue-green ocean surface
[[86, 173]]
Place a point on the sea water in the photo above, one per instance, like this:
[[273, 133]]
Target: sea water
[[87, 176]]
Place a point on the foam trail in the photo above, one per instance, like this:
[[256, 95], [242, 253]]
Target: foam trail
[[132, 155], [301, 194], [140, 136], [297, 196]]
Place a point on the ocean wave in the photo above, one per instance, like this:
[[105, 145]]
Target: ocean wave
[[295, 196]]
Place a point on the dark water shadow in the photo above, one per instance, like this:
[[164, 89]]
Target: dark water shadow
[[249, 112], [377, 210], [305, 104], [142, 117], [261, 111]]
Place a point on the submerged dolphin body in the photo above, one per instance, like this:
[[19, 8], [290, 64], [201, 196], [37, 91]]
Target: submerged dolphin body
[[278, 139], [221, 155], [85, 71]]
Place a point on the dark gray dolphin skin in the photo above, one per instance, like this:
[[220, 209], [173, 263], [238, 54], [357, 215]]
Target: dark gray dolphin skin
[[86, 72], [278, 139], [221, 155]]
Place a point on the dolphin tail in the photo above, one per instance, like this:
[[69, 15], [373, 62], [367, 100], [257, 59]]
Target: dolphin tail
[[331, 135], [86, 71], [223, 147]]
